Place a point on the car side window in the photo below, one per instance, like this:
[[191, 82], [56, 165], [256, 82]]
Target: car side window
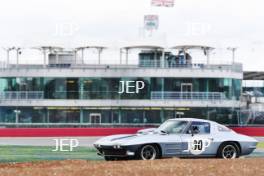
[[199, 128]]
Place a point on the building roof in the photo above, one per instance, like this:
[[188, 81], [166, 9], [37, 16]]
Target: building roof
[[192, 47], [143, 47], [253, 75], [91, 46], [49, 47]]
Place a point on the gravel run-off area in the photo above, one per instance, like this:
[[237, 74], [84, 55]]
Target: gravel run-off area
[[174, 166]]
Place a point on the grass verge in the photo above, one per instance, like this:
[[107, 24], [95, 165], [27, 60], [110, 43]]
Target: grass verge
[[260, 145], [37, 153]]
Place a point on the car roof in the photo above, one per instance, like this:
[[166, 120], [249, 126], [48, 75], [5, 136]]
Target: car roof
[[193, 119]]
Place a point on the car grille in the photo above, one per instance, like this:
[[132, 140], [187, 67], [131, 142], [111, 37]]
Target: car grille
[[112, 151]]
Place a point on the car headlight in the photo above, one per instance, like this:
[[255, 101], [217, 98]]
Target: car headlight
[[97, 145], [129, 153], [117, 146]]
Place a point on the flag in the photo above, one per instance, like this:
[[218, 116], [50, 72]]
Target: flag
[[164, 3]]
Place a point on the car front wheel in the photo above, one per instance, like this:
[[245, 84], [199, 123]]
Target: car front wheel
[[148, 152], [109, 158]]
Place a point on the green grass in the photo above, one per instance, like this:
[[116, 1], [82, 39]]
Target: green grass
[[260, 145], [35, 153]]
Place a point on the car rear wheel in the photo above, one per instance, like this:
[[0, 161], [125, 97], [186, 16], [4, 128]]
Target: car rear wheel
[[148, 152], [228, 151], [109, 158]]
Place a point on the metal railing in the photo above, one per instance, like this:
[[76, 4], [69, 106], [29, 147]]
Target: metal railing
[[108, 125], [17, 95], [236, 67], [79, 124], [188, 95]]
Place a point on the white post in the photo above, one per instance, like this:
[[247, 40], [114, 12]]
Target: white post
[[17, 56], [17, 112], [163, 59], [75, 56], [99, 55], [233, 56], [44, 54], [184, 55], [233, 50], [126, 56], [208, 59], [7, 57], [120, 57], [16, 117], [57, 57], [208, 56], [82, 55]]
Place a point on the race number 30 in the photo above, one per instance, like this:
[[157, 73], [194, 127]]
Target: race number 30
[[197, 145]]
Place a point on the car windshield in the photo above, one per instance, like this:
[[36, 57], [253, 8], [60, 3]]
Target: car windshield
[[173, 126]]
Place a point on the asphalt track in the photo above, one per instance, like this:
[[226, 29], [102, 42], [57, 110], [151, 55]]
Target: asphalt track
[[45, 141], [50, 141]]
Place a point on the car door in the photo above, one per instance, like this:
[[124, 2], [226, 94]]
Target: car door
[[171, 140], [172, 146], [197, 140]]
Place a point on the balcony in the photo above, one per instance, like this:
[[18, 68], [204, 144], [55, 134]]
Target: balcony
[[21, 95], [110, 71], [156, 99], [157, 95], [236, 67]]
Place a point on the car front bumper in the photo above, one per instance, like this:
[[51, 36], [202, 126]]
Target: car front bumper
[[116, 150], [248, 147]]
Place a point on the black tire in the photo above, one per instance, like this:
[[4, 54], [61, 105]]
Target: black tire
[[109, 158], [112, 158], [148, 152], [228, 150]]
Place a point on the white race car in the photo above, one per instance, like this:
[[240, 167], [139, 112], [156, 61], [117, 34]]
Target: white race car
[[184, 137]]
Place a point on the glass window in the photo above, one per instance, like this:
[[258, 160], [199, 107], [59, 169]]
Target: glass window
[[31, 115], [236, 87], [224, 115], [142, 94], [132, 116], [152, 116], [156, 84], [173, 126], [57, 115], [72, 88], [108, 88], [106, 116], [7, 115], [199, 128]]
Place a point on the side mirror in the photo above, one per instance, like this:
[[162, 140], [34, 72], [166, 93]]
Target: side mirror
[[189, 131]]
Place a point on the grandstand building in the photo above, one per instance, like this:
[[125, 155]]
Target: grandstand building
[[166, 83]]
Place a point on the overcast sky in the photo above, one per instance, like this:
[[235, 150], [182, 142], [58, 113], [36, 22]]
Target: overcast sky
[[70, 23]]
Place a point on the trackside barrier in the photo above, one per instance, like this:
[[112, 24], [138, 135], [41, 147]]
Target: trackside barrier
[[59, 132]]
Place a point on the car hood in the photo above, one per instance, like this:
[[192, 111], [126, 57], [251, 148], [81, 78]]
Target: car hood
[[134, 139], [116, 139]]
